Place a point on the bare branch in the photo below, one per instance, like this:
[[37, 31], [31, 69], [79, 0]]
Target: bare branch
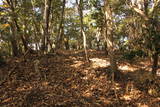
[[141, 13], [137, 10]]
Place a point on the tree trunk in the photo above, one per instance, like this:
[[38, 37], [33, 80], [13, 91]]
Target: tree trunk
[[37, 28], [98, 38], [103, 33], [80, 9], [14, 45], [24, 41], [45, 39], [66, 42], [14, 19], [109, 37], [59, 42], [151, 24]]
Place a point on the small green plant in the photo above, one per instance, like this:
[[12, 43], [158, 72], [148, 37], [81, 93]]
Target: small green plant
[[133, 53]]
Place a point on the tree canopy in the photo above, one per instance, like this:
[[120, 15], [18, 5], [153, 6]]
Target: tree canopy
[[125, 30]]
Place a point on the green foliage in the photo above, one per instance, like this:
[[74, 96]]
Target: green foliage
[[130, 55], [73, 43], [97, 14], [127, 23]]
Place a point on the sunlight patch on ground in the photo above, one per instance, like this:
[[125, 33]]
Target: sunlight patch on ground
[[87, 93], [77, 64], [105, 100], [142, 105], [133, 95], [127, 97], [45, 83], [97, 62], [72, 57], [74, 87], [158, 72], [116, 86], [145, 64], [127, 68], [24, 88], [88, 75]]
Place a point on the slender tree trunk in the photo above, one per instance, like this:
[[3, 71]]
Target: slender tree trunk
[[98, 38], [24, 41], [45, 39], [59, 42], [36, 26], [109, 37], [103, 32], [80, 9], [14, 45], [14, 19], [66, 42]]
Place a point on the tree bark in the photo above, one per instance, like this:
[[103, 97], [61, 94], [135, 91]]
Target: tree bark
[[14, 45], [80, 9], [109, 36], [59, 42], [45, 39], [14, 19], [148, 14], [98, 38], [66, 42]]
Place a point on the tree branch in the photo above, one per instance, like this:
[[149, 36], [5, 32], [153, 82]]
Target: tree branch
[[140, 12]]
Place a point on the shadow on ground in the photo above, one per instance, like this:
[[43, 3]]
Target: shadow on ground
[[66, 80]]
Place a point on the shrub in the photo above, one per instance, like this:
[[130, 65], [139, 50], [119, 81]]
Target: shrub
[[130, 55]]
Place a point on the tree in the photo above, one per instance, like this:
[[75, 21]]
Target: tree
[[80, 10], [148, 11], [46, 17], [13, 29], [109, 27], [59, 42]]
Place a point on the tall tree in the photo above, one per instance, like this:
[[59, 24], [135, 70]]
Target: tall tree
[[148, 11], [12, 5], [59, 42], [46, 17], [109, 27], [80, 10], [13, 24]]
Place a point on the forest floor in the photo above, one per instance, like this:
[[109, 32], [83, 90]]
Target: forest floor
[[66, 80]]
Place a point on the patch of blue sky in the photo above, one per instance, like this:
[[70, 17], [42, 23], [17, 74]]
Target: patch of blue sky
[[70, 3], [1, 1]]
